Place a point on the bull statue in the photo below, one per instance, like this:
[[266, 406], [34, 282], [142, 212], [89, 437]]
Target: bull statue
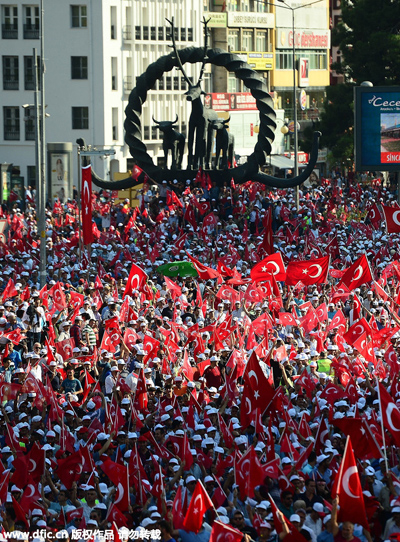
[[172, 141], [224, 143]]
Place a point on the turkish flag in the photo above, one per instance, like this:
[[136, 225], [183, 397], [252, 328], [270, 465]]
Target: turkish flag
[[64, 348], [86, 204], [36, 462], [357, 274], [198, 506], [287, 319], [322, 312], [363, 345], [205, 273], [293, 535], [221, 532], [390, 414], [137, 278], [391, 215], [20, 514], [257, 391], [76, 299], [308, 272], [332, 249], [337, 321], [115, 515], [177, 516], [267, 244], [306, 382], [189, 216], [365, 446], [375, 217], [271, 265], [118, 474], [9, 290], [69, 469], [356, 330], [58, 296], [349, 490]]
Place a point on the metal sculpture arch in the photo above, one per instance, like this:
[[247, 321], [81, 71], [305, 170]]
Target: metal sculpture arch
[[240, 174]]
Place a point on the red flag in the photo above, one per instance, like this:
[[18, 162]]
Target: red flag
[[365, 446], [349, 490], [267, 244], [177, 516], [392, 218], [309, 272], [221, 532], [86, 201], [205, 273], [70, 469], [257, 391], [198, 506], [137, 278], [357, 274], [272, 264], [375, 217], [9, 290], [390, 414]]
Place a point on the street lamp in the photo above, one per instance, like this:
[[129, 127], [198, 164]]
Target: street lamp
[[282, 4]]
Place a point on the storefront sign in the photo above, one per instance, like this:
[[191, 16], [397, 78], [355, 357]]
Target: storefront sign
[[216, 20], [245, 19], [304, 38]]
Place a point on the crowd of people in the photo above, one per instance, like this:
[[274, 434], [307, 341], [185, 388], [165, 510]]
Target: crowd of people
[[153, 386]]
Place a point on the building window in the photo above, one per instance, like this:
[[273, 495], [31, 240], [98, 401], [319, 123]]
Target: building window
[[153, 33], [79, 67], [113, 20], [232, 5], [138, 33], [190, 34], [146, 132], [176, 83], [145, 32], [233, 40], [247, 40], [168, 81], [160, 33], [284, 60], [161, 85], [11, 123], [31, 176], [244, 5], [29, 121], [183, 34], [31, 22], [9, 27], [10, 73], [261, 42], [29, 73], [207, 83], [78, 16], [114, 116], [114, 73], [154, 132], [233, 83], [80, 118]]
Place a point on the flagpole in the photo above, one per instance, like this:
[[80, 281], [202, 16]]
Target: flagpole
[[383, 429]]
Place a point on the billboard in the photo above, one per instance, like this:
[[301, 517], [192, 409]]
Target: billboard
[[377, 128], [230, 101]]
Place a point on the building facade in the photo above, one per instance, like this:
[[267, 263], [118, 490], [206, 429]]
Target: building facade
[[94, 51]]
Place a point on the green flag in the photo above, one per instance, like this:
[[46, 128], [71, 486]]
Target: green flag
[[177, 269]]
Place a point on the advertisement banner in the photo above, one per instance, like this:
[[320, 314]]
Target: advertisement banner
[[59, 176], [303, 72], [304, 38], [230, 101], [377, 128]]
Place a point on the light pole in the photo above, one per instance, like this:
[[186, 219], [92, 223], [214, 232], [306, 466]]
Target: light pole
[[43, 184], [282, 4]]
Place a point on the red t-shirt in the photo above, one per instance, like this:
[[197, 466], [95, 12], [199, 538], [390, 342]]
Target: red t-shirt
[[339, 538]]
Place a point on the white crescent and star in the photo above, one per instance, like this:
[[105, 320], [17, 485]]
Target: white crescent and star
[[358, 272], [346, 479], [389, 412], [120, 493], [395, 219], [319, 271]]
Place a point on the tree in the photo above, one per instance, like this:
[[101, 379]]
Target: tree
[[369, 40]]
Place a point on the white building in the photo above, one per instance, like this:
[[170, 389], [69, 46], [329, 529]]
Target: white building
[[94, 50]]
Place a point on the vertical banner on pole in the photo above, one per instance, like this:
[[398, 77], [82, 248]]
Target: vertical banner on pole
[[86, 202]]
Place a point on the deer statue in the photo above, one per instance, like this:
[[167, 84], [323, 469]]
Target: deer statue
[[200, 129], [224, 142], [172, 141]]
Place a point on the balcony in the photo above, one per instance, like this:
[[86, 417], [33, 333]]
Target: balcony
[[10, 84], [9, 32], [31, 32], [127, 33], [11, 134]]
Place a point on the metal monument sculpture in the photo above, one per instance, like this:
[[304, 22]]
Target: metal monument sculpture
[[201, 124], [172, 141], [224, 143]]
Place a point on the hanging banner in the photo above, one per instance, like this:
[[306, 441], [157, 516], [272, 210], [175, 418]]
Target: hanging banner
[[86, 202]]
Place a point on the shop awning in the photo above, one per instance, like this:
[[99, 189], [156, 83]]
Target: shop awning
[[280, 162]]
